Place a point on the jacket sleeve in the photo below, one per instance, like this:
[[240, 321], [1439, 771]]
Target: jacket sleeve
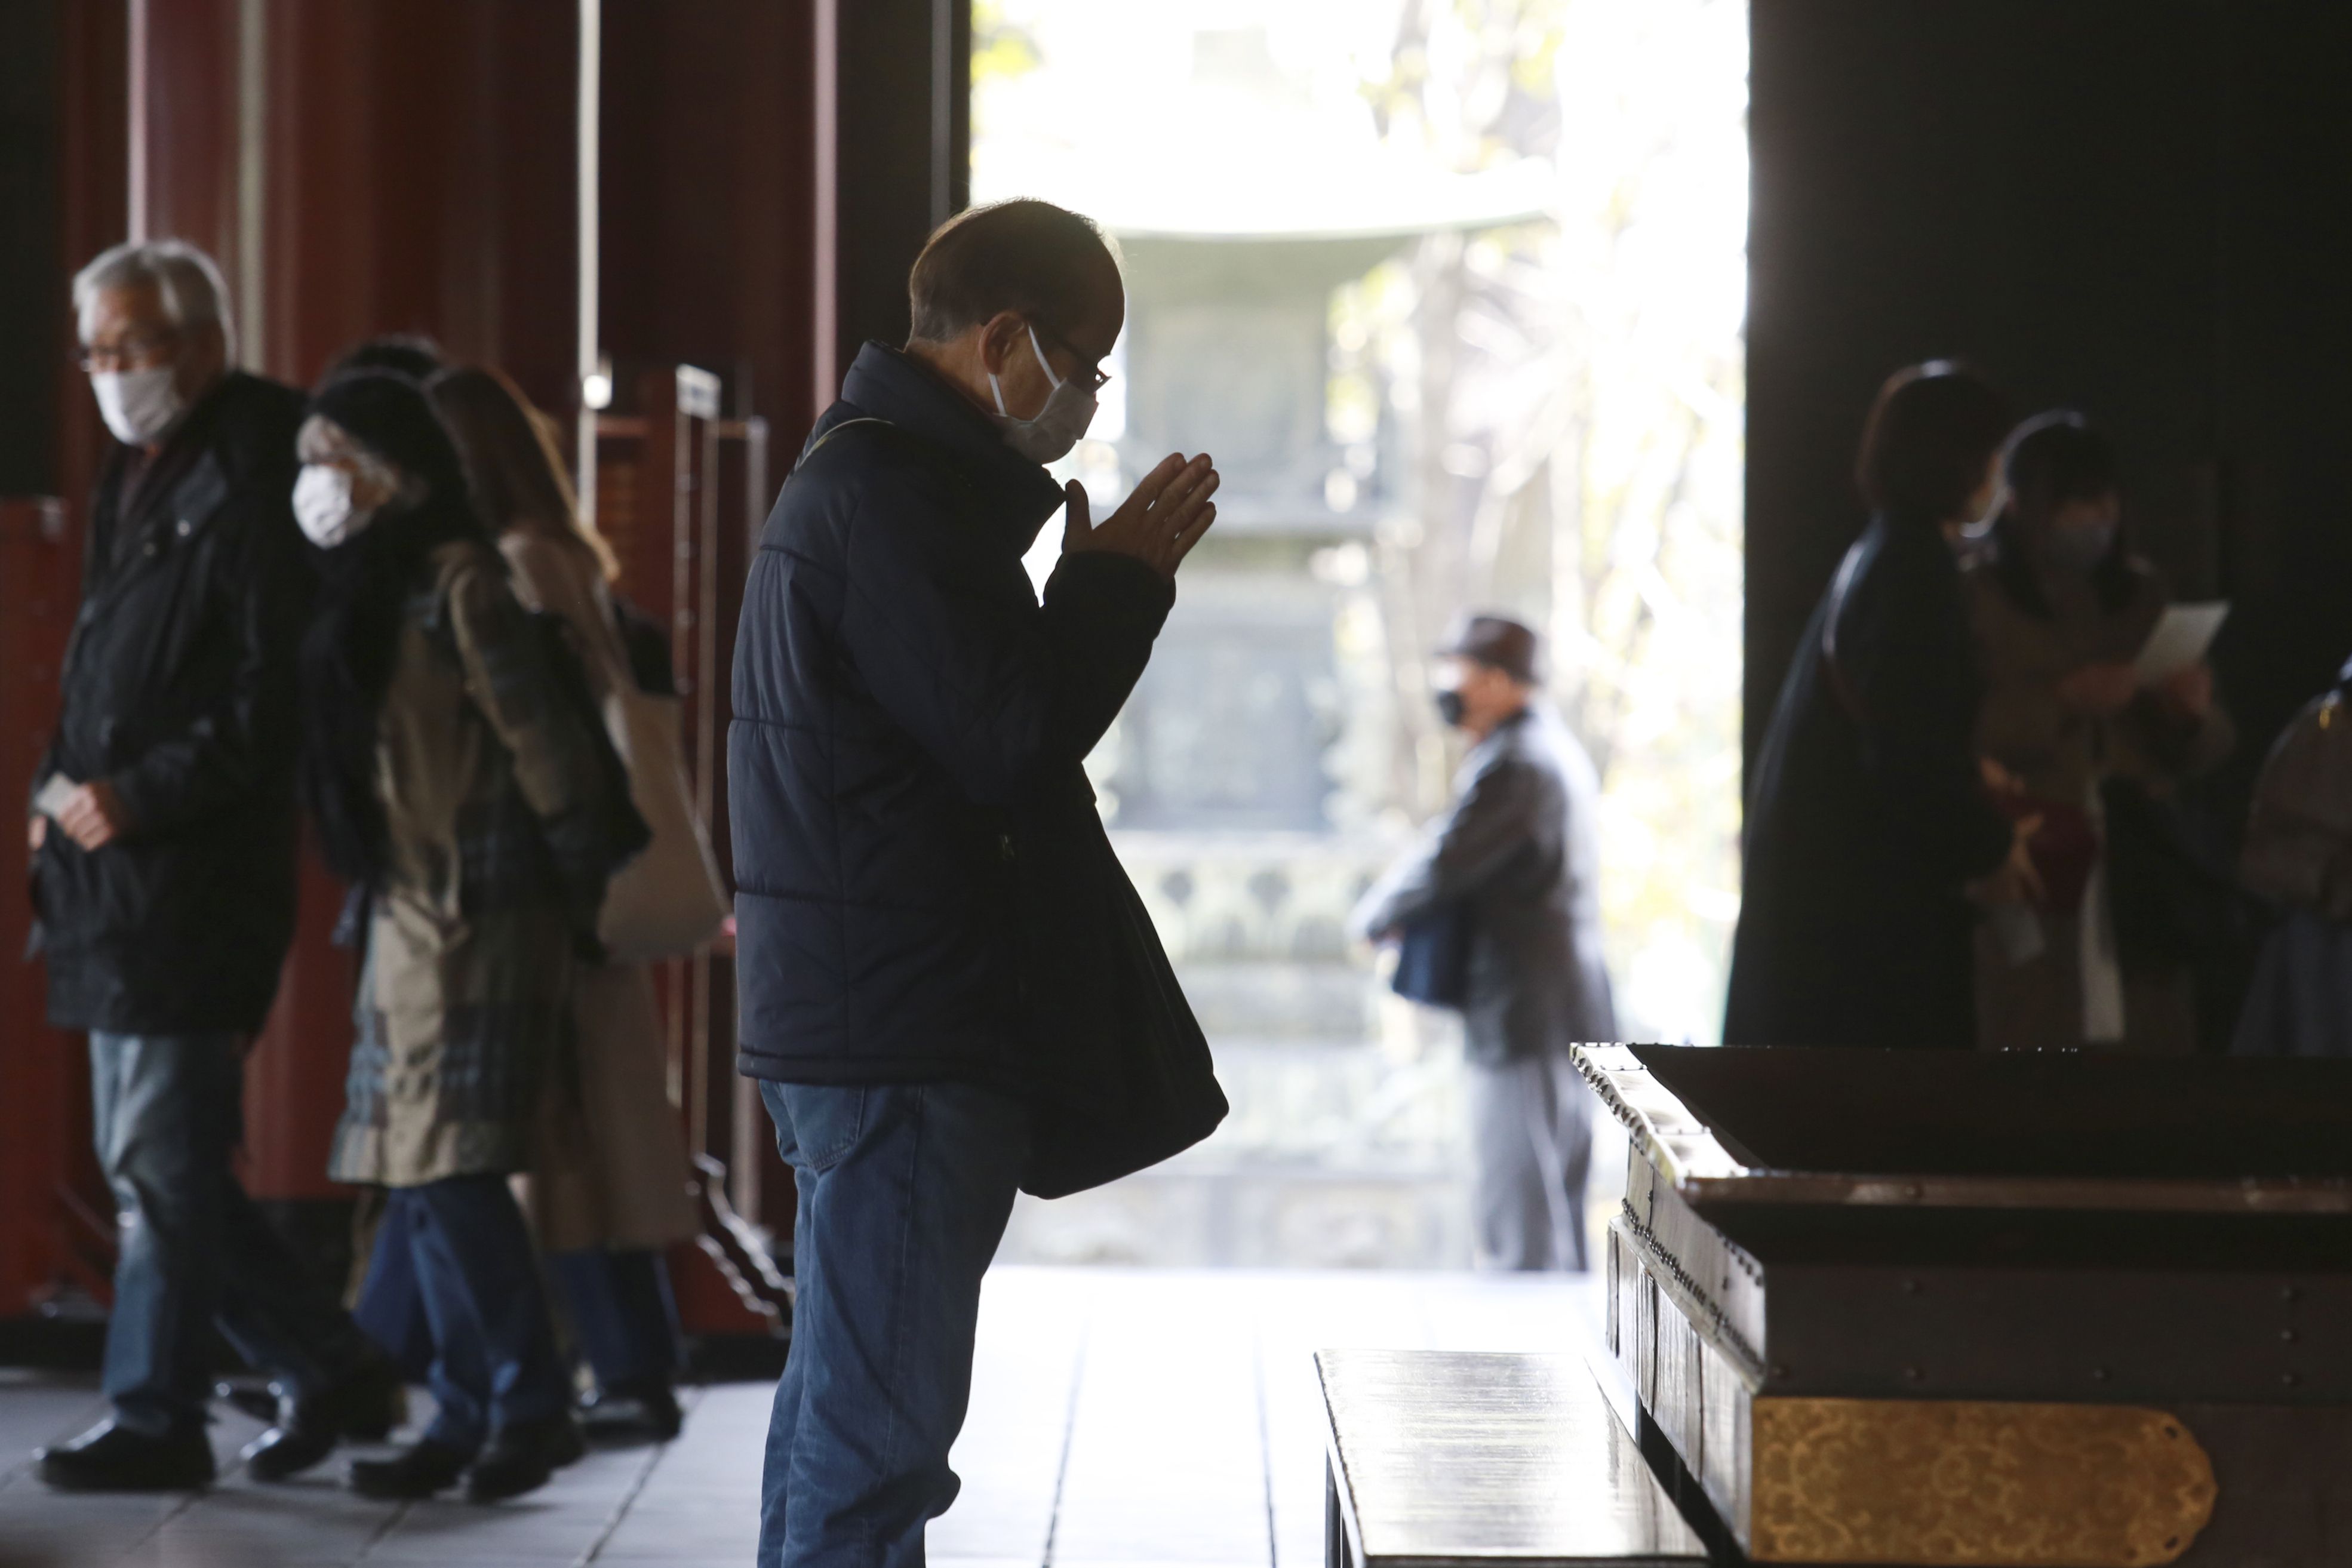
[[97, 543], [506, 677], [244, 737], [1492, 824], [993, 686], [1919, 688]]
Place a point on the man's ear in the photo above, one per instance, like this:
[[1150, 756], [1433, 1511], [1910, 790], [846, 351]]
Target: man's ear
[[998, 335]]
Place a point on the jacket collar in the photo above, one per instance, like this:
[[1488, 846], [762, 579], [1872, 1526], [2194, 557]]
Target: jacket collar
[[200, 461], [1507, 732], [886, 383]]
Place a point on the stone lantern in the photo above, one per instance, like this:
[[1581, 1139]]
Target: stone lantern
[[1245, 783]]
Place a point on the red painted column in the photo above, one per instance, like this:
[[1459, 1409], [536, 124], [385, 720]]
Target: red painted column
[[421, 177], [54, 1220], [183, 59], [48, 1188]]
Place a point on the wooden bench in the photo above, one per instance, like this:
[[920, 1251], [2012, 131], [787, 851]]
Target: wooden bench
[[1440, 1457]]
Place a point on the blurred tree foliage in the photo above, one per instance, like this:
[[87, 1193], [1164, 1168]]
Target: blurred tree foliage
[[1574, 393]]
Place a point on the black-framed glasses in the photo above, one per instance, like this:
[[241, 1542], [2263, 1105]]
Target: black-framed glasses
[[1092, 375], [131, 354]]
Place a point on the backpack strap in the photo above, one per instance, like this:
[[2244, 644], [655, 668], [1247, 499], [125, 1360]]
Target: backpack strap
[[815, 446], [924, 454]]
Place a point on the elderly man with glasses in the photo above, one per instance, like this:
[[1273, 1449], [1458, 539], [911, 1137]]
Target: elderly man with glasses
[[164, 828]]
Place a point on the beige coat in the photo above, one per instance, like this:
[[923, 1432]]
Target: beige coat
[[611, 1167], [2062, 755], [463, 1004]]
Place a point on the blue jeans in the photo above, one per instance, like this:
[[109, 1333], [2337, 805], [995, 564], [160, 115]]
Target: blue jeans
[[390, 1310], [619, 1302], [195, 1249], [905, 1190], [494, 1361]]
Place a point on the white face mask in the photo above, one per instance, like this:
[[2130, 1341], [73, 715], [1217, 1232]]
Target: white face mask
[[138, 405], [1048, 435], [323, 505]]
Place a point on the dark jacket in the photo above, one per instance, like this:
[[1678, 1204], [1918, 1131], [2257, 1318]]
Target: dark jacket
[[905, 765], [1867, 817], [1519, 854], [178, 687]]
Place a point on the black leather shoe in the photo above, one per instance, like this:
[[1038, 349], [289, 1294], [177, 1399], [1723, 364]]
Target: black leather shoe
[[360, 1406], [416, 1471], [114, 1459], [632, 1409], [521, 1457]]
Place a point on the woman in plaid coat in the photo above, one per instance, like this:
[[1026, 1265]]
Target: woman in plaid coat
[[452, 782]]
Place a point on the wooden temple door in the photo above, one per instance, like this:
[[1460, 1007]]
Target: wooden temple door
[[680, 493]]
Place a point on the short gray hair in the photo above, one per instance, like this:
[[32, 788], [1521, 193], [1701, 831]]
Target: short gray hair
[[186, 279]]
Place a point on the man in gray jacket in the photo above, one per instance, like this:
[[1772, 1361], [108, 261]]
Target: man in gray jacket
[[1513, 868]]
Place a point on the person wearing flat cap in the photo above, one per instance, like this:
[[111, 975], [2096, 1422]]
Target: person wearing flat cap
[[1510, 874]]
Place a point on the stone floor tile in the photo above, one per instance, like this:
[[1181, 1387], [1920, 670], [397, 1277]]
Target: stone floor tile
[[1173, 1416]]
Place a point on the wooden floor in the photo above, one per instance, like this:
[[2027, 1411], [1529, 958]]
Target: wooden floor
[[1119, 1417]]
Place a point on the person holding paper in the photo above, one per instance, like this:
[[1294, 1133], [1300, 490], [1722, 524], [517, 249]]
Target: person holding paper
[[2062, 609]]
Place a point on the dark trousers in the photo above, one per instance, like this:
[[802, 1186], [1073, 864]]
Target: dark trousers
[[195, 1250], [494, 1361], [905, 1190], [621, 1312], [1531, 1135], [619, 1303]]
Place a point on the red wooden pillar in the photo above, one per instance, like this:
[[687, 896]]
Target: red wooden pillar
[[56, 1226], [55, 1223], [420, 175]]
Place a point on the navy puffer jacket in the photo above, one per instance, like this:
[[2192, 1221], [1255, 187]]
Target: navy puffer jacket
[[905, 766]]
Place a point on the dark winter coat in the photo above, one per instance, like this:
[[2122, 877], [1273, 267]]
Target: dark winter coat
[[178, 687], [917, 857], [1867, 817], [1519, 854]]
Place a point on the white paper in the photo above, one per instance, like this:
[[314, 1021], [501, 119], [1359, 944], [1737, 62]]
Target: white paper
[[2179, 640], [53, 796]]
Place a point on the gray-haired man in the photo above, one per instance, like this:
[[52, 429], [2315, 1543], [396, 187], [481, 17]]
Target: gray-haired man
[[164, 826]]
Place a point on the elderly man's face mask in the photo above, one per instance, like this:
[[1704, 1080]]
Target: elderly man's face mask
[[1047, 436], [131, 350]]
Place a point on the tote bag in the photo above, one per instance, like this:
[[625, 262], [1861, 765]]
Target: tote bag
[[669, 900], [1126, 1076], [1432, 965]]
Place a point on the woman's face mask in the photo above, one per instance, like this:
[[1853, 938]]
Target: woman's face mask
[[2080, 534], [1048, 435], [324, 507]]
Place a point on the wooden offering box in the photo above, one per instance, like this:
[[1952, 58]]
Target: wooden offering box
[[1942, 1307]]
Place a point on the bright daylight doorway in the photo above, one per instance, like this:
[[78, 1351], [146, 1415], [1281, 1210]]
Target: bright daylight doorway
[[1452, 291]]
